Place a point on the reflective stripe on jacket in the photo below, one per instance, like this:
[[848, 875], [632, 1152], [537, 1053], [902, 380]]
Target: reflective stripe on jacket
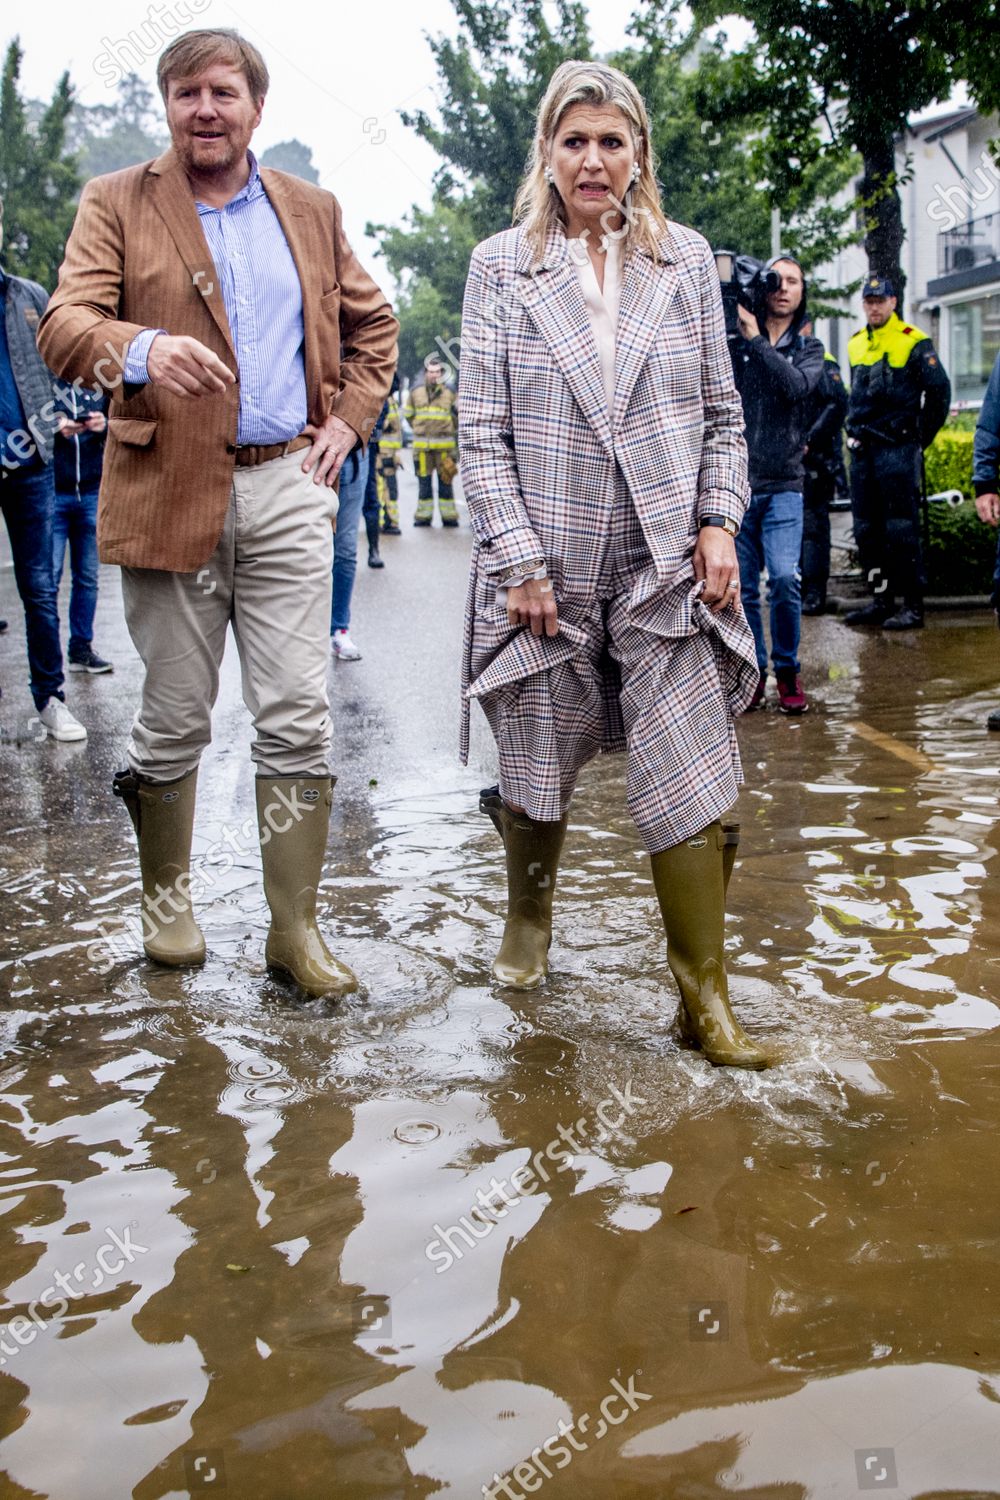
[[432, 411]]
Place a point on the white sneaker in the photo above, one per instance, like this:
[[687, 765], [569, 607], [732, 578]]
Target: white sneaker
[[344, 648], [59, 722]]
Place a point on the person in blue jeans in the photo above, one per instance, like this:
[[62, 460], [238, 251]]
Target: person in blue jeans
[[27, 498], [776, 371], [353, 480], [79, 457]]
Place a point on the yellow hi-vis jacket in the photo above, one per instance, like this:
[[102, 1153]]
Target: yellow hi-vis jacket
[[392, 427], [432, 412]]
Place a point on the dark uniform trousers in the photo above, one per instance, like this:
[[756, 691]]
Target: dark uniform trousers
[[885, 499], [818, 490]]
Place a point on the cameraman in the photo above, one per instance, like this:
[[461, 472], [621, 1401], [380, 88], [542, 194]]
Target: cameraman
[[776, 372]]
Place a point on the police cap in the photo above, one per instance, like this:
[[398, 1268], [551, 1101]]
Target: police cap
[[878, 286]]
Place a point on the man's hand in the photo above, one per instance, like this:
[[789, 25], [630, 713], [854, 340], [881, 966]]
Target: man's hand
[[94, 421], [988, 509], [534, 604], [186, 367], [749, 327], [715, 562], [331, 444]]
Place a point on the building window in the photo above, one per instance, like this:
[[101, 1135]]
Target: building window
[[975, 343]]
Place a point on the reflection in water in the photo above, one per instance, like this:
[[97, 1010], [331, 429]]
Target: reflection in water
[[386, 1249]]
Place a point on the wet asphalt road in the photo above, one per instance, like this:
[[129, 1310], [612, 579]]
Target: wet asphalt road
[[793, 1270]]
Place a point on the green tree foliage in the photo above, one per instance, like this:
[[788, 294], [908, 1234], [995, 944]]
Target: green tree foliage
[[864, 67], [38, 180], [493, 76], [108, 137], [291, 156]]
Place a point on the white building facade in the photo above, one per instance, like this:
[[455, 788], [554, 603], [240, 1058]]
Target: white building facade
[[951, 253]]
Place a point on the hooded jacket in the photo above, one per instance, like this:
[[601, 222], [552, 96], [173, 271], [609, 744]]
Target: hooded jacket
[[775, 382], [79, 458]]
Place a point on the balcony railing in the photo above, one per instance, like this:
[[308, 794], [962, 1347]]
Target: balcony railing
[[976, 243]]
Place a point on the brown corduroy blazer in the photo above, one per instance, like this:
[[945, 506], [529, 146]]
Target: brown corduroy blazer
[[137, 258]]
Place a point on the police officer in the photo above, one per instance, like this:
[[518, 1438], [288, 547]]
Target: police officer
[[825, 413], [899, 399], [432, 412]]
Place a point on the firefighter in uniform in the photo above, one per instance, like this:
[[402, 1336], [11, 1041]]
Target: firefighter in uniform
[[900, 395], [432, 412], [389, 460], [825, 412]]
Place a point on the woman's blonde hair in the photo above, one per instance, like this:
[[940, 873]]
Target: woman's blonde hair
[[538, 205]]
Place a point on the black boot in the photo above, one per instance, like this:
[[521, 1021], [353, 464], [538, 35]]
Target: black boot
[[371, 527], [909, 616], [875, 613]]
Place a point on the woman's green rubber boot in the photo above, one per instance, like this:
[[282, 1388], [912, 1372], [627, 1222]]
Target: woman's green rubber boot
[[533, 851], [691, 880]]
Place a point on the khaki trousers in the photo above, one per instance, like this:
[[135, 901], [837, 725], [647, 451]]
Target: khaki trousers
[[270, 578]]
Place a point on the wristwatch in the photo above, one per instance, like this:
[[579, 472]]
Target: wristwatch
[[723, 521]]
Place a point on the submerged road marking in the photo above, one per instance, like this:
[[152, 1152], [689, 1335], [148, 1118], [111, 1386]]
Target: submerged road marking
[[895, 747]]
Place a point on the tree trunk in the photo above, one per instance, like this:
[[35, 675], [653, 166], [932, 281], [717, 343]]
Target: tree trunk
[[883, 212]]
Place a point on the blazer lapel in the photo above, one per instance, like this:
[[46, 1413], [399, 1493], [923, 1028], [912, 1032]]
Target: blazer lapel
[[551, 294], [647, 289], [174, 202], [293, 224]]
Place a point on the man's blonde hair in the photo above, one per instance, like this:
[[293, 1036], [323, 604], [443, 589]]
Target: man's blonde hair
[[538, 205], [195, 51]]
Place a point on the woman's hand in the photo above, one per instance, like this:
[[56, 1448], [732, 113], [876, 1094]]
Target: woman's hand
[[715, 563], [534, 604]]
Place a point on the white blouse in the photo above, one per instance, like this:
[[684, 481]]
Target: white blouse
[[602, 306]]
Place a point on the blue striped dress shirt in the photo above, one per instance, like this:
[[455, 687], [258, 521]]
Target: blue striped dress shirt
[[263, 298]]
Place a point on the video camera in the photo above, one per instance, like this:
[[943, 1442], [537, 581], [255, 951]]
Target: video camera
[[746, 282]]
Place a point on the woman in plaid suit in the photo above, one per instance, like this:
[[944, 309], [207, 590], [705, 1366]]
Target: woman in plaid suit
[[605, 471]]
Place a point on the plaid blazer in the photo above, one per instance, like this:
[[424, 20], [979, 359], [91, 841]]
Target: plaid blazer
[[539, 449]]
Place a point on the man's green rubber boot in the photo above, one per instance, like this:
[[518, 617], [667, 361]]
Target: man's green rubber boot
[[533, 851], [691, 880], [293, 816], [162, 814]]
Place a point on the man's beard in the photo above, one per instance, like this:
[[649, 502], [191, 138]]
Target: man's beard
[[186, 150]]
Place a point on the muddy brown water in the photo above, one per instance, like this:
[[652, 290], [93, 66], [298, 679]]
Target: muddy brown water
[[445, 1239]]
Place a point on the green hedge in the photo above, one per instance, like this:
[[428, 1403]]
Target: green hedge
[[961, 554], [948, 462], [962, 551]]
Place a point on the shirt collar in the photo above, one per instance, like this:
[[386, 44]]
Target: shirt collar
[[253, 189]]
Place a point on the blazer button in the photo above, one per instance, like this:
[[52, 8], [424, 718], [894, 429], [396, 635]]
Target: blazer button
[[230, 447]]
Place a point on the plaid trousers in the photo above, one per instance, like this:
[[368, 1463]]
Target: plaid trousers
[[660, 699]]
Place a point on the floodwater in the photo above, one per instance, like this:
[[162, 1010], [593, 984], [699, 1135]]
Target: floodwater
[[443, 1239]]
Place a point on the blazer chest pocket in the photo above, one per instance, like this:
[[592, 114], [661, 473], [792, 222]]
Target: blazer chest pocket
[[134, 432]]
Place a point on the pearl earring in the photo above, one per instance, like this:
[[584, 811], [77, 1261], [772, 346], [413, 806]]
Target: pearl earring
[[636, 171], [548, 175]]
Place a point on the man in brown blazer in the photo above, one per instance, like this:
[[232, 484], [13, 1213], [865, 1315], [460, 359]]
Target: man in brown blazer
[[247, 353]]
